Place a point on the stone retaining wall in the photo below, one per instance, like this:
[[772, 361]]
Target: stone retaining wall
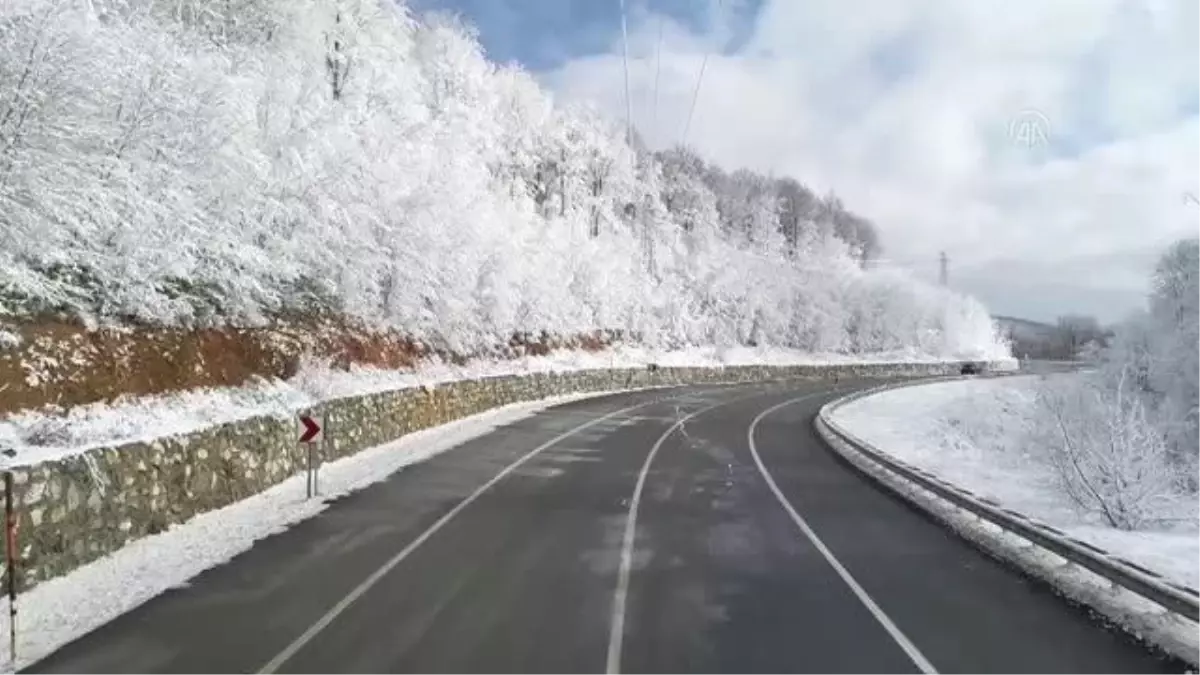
[[75, 510]]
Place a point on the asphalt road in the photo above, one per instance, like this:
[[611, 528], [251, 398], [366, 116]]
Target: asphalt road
[[662, 537]]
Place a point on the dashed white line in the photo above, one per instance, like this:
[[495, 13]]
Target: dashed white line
[[616, 631], [329, 616], [894, 631]]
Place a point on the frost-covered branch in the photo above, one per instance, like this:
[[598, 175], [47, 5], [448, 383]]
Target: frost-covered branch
[[1110, 458]]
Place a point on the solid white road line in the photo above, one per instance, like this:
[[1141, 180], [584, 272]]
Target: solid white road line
[[313, 630], [901, 639], [616, 631]]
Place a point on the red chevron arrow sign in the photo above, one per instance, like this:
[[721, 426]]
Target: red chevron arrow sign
[[311, 429]]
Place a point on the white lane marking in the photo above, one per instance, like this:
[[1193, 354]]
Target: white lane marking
[[901, 639], [323, 622], [616, 631]]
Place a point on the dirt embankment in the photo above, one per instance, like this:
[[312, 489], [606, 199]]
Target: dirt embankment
[[66, 364]]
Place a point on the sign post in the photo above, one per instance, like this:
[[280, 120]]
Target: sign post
[[308, 438], [10, 558], [10, 564]]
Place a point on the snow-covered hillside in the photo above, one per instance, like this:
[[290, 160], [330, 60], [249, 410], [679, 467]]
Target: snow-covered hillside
[[1111, 454], [196, 162], [980, 435]]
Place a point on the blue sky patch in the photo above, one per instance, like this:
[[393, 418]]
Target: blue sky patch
[[543, 34]]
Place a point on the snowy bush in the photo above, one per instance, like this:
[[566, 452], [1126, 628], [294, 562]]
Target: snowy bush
[[49, 430], [1124, 438], [205, 161], [1109, 456]]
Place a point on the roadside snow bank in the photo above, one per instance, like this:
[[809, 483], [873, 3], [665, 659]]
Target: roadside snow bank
[[975, 433], [49, 434], [62, 609]]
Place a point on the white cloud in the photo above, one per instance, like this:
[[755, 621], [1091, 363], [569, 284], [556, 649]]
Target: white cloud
[[907, 108]]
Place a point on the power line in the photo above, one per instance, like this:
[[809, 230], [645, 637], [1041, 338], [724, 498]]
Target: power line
[[657, 72], [625, 61], [696, 94]]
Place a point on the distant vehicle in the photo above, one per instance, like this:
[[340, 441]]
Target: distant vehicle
[[971, 369]]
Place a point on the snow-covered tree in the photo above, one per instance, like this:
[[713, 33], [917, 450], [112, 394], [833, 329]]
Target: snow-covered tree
[[1125, 437], [1110, 458], [1174, 372], [216, 161]]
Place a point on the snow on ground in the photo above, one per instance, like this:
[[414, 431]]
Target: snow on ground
[[972, 433], [62, 609], [50, 434]]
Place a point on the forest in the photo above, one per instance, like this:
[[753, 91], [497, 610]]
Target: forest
[[220, 162]]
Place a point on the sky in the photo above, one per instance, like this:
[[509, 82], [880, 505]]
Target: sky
[[1050, 147]]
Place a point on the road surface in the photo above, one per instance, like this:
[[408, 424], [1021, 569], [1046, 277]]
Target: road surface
[[642, 532]]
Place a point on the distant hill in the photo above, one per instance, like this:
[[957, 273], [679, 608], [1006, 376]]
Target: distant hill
[[1066, 339], [1024, 326], [1032, 338]]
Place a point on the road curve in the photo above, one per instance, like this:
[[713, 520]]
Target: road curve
[[642, 532]]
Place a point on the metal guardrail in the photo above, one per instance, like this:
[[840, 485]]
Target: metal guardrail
[[1146, 583]]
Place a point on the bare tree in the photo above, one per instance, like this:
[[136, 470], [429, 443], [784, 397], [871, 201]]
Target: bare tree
[[337, 60], [1074, 332], [1110, 458]]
